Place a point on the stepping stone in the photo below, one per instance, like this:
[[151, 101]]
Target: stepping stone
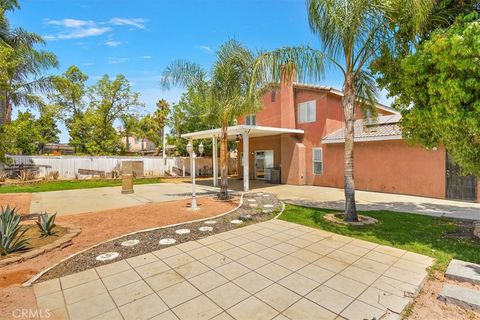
[[253, 205], [268, 205], [107, 256], [205, 229], [236, 221], [266, 195], [464, 297], [167, 241], [267, 211], [251, 200], [463, 271], [130, 243], [182, 231], [210, 222]]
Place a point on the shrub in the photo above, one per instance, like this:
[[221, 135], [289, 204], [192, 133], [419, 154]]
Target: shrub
[[26, 174], [11, 232], [46, 224]]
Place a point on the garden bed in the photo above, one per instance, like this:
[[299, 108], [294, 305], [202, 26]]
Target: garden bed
[[258, 206], [38, 245]]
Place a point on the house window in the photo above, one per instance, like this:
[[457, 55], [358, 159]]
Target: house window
[[317, 161], [251, 120], [307, 111], [273, 94]]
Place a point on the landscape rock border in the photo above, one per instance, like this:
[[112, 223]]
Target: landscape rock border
[[61, 242], [81, 260], [363, 220]]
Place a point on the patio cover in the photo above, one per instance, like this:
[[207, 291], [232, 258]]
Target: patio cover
[[246, 131]]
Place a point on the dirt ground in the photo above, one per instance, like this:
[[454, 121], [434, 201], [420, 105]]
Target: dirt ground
[[98, 227], [21, 201], [428, 307]]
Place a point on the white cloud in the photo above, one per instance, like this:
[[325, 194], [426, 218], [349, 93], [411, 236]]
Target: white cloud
[[135, 22], [146, 57], [113, 43], [114, 60], [76, 29], [82, 33], [71, 23], [205, 48]]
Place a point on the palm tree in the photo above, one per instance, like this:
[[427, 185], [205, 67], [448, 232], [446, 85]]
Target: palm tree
[[129, 126], [225, 91], [160, 118], [23, 75], [351, 33]]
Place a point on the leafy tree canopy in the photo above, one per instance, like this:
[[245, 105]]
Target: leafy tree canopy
[[440, 92]]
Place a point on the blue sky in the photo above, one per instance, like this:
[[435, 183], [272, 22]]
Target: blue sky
[[140, 38]]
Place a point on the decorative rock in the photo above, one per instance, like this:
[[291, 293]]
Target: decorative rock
[[210, 222], [253, 205], [130, 243], [205, 229], [268, 205], [245, 217], [108, 256], [251, 200], [182, 231], [267, 211], [266, 195], [167, 241], [476, 229], [236, 221]]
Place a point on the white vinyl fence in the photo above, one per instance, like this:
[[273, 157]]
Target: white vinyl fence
[[67, 166]]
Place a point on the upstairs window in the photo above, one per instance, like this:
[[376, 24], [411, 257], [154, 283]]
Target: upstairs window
[[317, 161], [251, 120], [307, 111]]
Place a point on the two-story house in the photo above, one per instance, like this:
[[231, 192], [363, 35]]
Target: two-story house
[[300, 131]]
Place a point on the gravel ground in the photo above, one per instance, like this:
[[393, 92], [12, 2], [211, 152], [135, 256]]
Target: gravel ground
[[149, 240]]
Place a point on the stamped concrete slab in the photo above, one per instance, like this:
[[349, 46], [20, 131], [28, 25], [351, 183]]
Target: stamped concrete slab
[[463, 271], [257, 271], [464, 297]]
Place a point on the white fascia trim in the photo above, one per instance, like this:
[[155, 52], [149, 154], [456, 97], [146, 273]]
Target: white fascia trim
[[364, 139]]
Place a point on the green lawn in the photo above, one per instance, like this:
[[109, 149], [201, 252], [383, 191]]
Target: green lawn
[[435, 237], [71, 184]]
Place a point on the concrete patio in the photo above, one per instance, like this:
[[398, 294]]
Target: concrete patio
[[97, 199], [270, 270]]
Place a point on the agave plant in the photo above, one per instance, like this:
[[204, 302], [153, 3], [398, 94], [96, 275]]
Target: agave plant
[[11, 233], [46, 223]]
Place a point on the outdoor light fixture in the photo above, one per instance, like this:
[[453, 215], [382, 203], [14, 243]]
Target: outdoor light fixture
[[200, 149], [192, 154], [237, 140]]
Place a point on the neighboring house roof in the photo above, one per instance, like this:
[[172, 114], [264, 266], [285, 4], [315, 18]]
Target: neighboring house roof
[[380, 128], [337, 92], [58, 146]]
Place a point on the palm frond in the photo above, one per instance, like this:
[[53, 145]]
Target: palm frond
[[184, 73], [366, 91], [282, 63]]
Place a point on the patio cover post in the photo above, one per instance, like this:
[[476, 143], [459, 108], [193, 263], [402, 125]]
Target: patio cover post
[[214, 161], [246, 164]]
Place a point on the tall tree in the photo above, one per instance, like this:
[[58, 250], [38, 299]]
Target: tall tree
[[160, 117], [225, 92], [350, 33], [25, 77], [440, 92], [109, 100], [47, 126], [129, 127], [68, 95]]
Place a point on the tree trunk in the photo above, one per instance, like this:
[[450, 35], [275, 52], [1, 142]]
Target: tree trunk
[[223, 195], [348, 102], [127, 137], [3, 110]]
